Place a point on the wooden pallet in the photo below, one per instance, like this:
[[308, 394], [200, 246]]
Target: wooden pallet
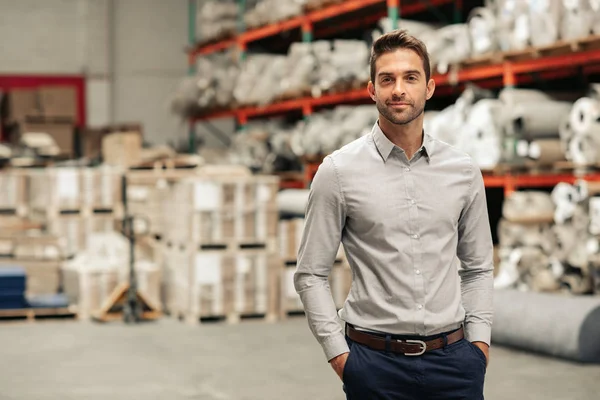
[[559, 48], [231, 318], [35, 314], [175, 163], [53, 212], [235, 245]]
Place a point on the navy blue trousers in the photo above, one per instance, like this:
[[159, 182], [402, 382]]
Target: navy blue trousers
[[454, 372]]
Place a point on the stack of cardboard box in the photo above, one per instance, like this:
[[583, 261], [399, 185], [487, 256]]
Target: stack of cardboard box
[[47, 109], [221, 251]]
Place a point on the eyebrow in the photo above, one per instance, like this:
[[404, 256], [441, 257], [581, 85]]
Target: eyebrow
[[409, 72]]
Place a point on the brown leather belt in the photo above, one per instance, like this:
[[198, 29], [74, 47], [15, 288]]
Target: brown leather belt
[[406, 347]]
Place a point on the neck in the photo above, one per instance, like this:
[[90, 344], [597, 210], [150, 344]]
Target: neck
[[408, 137]]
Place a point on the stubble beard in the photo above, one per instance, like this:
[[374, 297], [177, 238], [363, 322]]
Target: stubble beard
[[400, 118]]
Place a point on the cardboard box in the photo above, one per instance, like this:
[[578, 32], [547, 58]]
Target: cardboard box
[[90, 143], [62, 133], [214, 283], [22, 103], [43, 277], [88, 288], [58, 102], [122, 148]]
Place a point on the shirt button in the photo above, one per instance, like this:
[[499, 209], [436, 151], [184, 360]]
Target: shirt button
[[420, 306], [415, 236], [413, 201], [407, 168], [418, 272]]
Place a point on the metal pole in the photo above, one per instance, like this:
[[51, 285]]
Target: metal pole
[[394, 12], [192, 10]]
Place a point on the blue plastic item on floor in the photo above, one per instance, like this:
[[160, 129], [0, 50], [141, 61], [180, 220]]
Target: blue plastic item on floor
[[48, 301], [12, 301], [12, 278]]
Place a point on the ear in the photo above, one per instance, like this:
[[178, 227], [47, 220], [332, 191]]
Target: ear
[[371, 89], [430, 88]]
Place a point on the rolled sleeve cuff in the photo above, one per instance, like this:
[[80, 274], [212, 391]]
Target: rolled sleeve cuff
[[478, 333], [334, 346]]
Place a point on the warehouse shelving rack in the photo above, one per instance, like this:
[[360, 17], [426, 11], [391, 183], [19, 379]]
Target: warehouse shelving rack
[[560, 60]]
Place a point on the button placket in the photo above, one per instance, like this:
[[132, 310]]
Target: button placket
[[413, 226]]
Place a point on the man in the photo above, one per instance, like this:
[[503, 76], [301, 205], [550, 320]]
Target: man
[[408, 209]]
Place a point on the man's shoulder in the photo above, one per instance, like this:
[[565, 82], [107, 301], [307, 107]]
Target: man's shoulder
[[449, 153], [352, 152]]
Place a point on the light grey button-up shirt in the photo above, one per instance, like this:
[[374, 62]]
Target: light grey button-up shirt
[[416, 235]]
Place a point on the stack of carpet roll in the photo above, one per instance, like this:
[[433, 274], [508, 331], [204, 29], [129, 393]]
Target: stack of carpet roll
[[531, 123], [580, 131], [577, 231], [549, 242], [519, 125], [526, 243]]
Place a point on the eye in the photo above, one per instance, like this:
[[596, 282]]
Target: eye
[[412, 78], [386, 79]]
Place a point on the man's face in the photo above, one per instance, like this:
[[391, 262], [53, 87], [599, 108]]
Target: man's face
[[400, 88]]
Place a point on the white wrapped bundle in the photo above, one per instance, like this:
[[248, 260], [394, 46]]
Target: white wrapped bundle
[[448, 45], [577, 19], [270, 11], [480, 136], [536, 120], [258, 82], [545, 17], [528, 205], [185, 101], [358, 122], [341, 64], [512, 234], [414, 28], [512, 96], [582, 138], [482, 30], [513, 23], [300, 71], [215, 19]]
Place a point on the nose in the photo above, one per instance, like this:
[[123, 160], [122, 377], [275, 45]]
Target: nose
[[399, 88]]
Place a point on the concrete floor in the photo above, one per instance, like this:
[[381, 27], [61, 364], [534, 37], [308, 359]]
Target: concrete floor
[[167, 360]]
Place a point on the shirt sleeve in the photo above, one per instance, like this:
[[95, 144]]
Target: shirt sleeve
[[324, 223], [475, 251]]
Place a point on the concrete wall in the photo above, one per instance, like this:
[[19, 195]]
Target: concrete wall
[[150, 37], [131, 52]]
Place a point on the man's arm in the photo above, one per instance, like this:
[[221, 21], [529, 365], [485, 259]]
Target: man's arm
[[325, 217], [475, 251]]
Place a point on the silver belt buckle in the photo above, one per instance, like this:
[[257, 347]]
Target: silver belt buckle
[[423, 348]]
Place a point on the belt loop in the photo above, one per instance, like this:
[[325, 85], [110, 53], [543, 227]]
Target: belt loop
[[445, 337], [388, 339]]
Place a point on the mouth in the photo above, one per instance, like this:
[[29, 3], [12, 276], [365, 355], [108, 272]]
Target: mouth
[[398, 105]]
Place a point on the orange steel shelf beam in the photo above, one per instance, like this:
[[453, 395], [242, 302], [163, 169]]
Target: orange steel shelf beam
[[291, 105], [511, 183]]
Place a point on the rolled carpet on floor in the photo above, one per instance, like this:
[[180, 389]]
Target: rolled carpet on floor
[[554, 324]]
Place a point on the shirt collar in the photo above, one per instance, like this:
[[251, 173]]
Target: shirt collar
[[385, 146]]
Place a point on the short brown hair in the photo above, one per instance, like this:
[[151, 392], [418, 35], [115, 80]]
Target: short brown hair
[[399, 39]]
